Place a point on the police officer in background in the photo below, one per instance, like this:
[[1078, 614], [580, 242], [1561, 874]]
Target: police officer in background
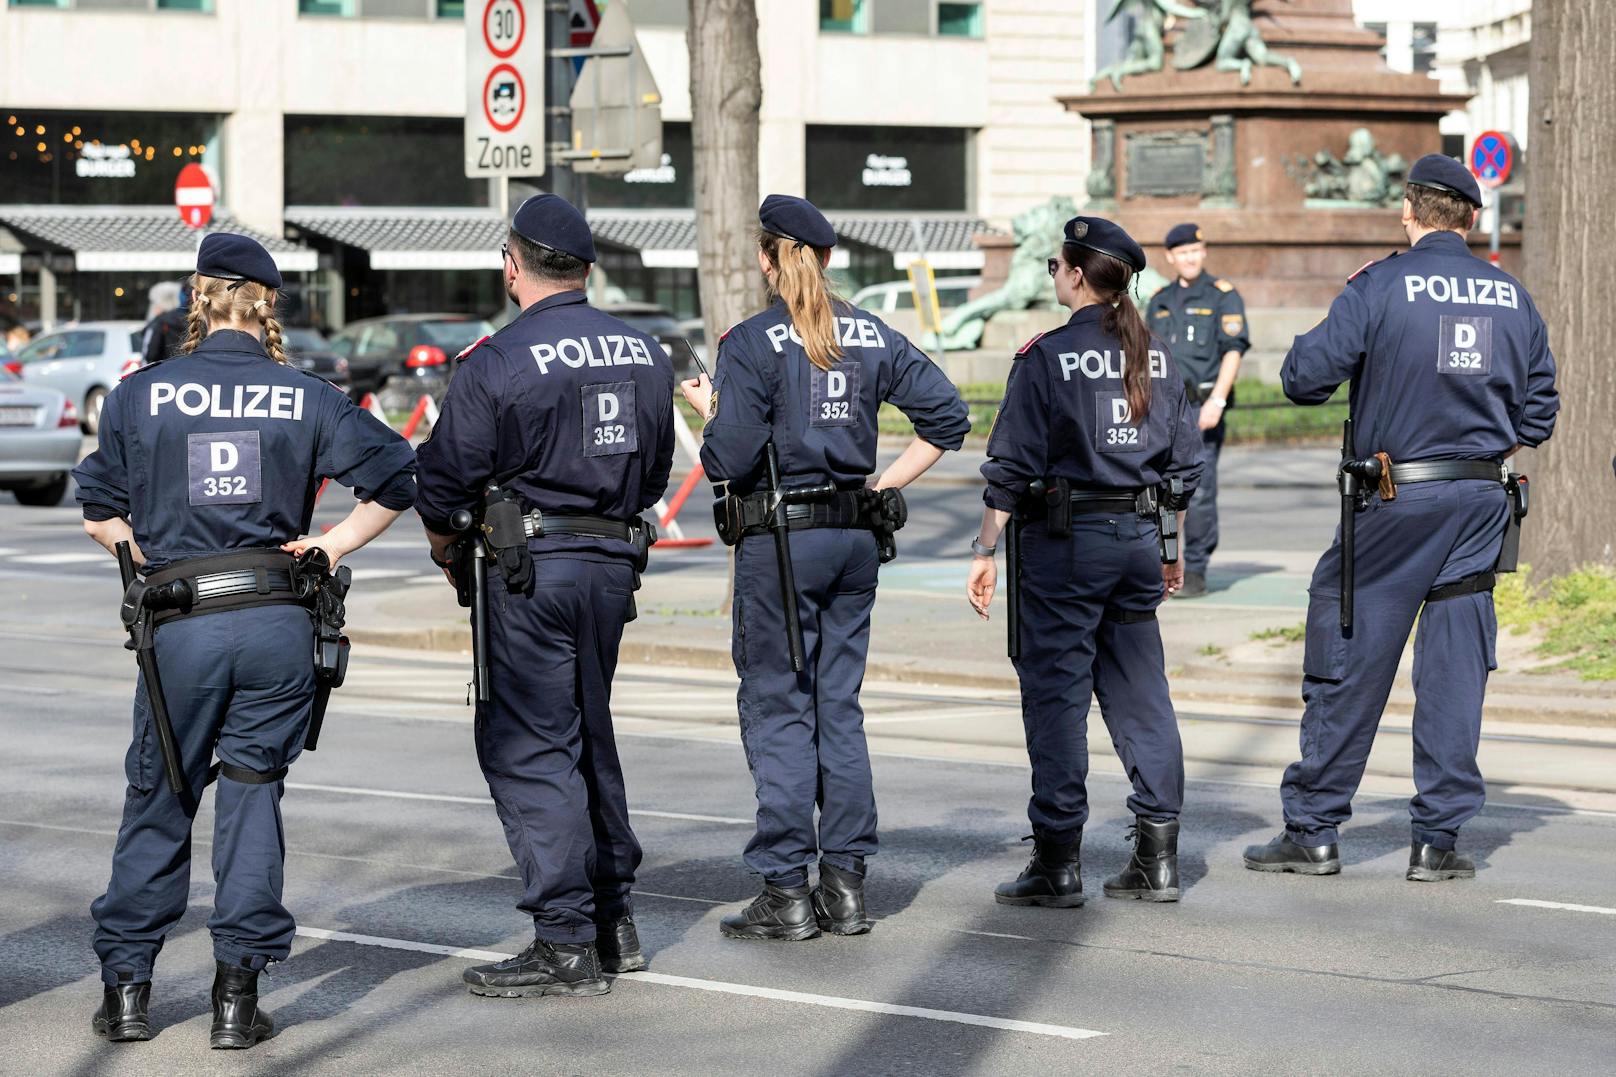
[[165, 333], [1095, 422], [1203, 319], [568, 412], [1451, 374], [803, 380], [207, 466]]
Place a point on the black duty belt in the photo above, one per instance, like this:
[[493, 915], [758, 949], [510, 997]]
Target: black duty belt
[[1109, 505], [840, 510], [232, 581], [537, 524], [1448, 471]]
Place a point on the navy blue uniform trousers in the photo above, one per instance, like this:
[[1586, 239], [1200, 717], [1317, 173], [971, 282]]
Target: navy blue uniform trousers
[[1201, 515], [546, 745], [1433, 534], [1070, 651], [240, 683], [804, 732]]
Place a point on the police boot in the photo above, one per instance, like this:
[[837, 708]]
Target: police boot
[[237, 1021], [1283, 854], [1152, 872], [1053, 877], [124, 1014], [617, 942], [839, 900], [544, 968], [785, 913], [1428, 864]]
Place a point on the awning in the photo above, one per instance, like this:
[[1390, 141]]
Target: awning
[[948, 240], [408, 238], [665, 239], [106, 239], [10, 264]]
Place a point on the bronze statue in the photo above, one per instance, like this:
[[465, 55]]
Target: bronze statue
[[1145, 50], [1240, 46]]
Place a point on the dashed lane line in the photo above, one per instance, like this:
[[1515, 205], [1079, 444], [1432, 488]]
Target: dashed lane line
[[1563, 906], [802, 998]]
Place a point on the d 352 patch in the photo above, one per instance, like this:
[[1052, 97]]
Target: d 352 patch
[[833, 397], [225, 468], [1115, 430], [1465, 345], [611, 425]]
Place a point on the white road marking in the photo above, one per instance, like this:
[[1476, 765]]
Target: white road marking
[[382, 573], [446, 798], [774, 994], [1566, 906], [63, 558]]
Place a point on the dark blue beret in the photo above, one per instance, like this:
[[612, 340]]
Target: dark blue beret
[[796, 218], [553, 222], [1445, 174], [1182, 235], [1099, 234], [239, 258]]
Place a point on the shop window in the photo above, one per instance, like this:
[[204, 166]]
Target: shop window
[[845, 16], [888, 168], [378, 161], [959, 20], [342, 8], [1424, 45], [99, 158], [451, 9], [666, 186]]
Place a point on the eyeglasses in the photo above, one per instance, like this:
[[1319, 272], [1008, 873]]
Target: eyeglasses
[[1054, 266], [504, 252]]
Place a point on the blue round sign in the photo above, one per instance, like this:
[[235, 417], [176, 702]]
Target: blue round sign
[[1491, 157]]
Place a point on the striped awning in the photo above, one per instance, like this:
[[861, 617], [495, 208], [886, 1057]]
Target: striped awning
[[135, 238], [948, 242], [404, 238]]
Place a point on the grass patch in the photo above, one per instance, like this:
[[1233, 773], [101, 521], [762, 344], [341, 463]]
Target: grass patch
[[1210, 650], [1576, 613], [1288, 634]]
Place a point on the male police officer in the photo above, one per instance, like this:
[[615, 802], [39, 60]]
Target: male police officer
[[1203, 320], [1451, 374], [570, 412]]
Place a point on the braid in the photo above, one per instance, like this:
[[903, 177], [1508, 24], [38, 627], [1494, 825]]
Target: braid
[[196, 323], [272, 332]]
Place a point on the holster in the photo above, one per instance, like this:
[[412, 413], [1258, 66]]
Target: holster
[[324, 592], [727, 518], [885, 512], [1166, 502], [507, 540], [1057, 497], [1518, 488]]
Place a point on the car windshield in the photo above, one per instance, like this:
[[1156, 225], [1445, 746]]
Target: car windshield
[[454, 335], [304, 340]]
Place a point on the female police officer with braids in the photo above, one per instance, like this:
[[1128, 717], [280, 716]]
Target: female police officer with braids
[[207, 466], [802, 382], [1094, 423]]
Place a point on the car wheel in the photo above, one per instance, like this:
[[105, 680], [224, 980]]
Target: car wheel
[[93, 402], [45, 496]]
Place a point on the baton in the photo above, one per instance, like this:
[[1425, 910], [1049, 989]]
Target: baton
[[1012, 587], [778, 523], [142, 644], [463, 522], [1349, 480]]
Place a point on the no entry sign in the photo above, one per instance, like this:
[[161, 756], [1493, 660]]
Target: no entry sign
[[193, 195], [504, 88], [1492, 156]]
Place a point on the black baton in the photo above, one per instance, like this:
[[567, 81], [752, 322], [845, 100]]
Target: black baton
[[1012, 587], [464, 522], [137, 618], [779, 498], [1350, 480]]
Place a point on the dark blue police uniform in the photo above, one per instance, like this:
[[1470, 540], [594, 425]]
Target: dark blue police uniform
[[570, 410], [1449, 361], [804, 732], [218, 452]]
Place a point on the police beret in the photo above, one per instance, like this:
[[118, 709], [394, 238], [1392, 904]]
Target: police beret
[[554, 223], [1445, 174], [239, 258], [796, 218], [1182, 235], [1099, 234]]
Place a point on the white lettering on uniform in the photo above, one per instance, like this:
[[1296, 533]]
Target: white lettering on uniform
[[580, 354], [225, 456], [1158, 364], [543, 355], [1469, 291], [1464, 335], [188, 390], [255, 402], [640, 353], [280, 406], [241, 402], [777, 335], [1119, 410], [835, 383], [162, 392], [608, 406]]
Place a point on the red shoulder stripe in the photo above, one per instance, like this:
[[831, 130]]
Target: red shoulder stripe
[[473, 346], [1361, 268], [1027, 347]]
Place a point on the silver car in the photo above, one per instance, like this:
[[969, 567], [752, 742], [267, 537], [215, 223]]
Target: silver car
[[39, 441], [83, 361]]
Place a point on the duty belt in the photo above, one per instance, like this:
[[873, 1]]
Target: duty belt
[[842, 509], [231, 581], [537, 524], [1448, 470]]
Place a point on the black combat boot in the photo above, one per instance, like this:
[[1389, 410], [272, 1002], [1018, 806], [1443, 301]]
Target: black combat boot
[[1053, 877], [839, 900], [237, 1021], [617, 942], [544, 968], [125, 1013], [1283, 854], [1428, 864], [785, 913], [1152, 872]]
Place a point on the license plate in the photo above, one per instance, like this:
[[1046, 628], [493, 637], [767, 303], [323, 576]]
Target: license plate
[[19, 416]]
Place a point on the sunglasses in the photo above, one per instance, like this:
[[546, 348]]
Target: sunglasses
[[1055, 265]]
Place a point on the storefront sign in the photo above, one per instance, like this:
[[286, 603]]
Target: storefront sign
[[664, 173], [888, 169], [880, 171], [105, 162]]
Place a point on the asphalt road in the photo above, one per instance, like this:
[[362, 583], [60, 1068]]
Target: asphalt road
[[398, 873]]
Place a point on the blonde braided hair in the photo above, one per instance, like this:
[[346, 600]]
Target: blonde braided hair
[[216, 301]]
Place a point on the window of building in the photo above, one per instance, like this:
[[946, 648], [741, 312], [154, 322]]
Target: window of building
[[378, 161], [845, 16], [451, 9], [889, 168], [204, 7], [665, 187], [1424, 46], [99, 158], [959, 20], [342, 8]]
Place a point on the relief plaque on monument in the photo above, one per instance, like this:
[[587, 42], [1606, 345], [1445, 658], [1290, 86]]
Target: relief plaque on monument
[[1166, 163]]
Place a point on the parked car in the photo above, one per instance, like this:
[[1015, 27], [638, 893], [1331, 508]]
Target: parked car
[[658, 322], [308, 350], [898, 295], [413, 347], [83, 361], [39, 441]]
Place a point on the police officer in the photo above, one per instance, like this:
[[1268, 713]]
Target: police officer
[[569, 413], [803, 380], [207, 465], [1451, 373], [1203, 319], [165, 334], [1095, 423]]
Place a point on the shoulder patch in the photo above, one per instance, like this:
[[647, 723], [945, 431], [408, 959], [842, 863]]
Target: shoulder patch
[[1372, 262], [1027, 347], [1222, 285], [473, 346], [727, 332], [143, 367]]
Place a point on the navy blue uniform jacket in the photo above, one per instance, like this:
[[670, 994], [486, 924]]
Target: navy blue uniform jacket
[[224, 449], [566, 406], [1065, 416], [1200, 322], [822, 422], [1447, 355]]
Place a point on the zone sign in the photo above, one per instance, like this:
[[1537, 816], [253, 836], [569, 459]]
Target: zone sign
[[504, 87]]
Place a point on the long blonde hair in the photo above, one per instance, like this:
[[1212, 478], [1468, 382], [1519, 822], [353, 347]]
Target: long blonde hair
[[800, 280], [215, 302]]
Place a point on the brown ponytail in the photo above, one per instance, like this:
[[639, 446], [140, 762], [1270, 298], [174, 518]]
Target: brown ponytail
[[196, 323], [800, 280], [214, 302], [1109, 278], [272, 329]]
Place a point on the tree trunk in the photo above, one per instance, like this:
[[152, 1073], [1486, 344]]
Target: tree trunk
[[726, 95], [1570, 206]]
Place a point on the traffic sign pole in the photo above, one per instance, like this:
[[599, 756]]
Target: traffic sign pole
[[1492, 158], [559, 78]]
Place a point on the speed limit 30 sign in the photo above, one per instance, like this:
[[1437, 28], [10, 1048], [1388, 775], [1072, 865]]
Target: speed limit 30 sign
[[504, 88]]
